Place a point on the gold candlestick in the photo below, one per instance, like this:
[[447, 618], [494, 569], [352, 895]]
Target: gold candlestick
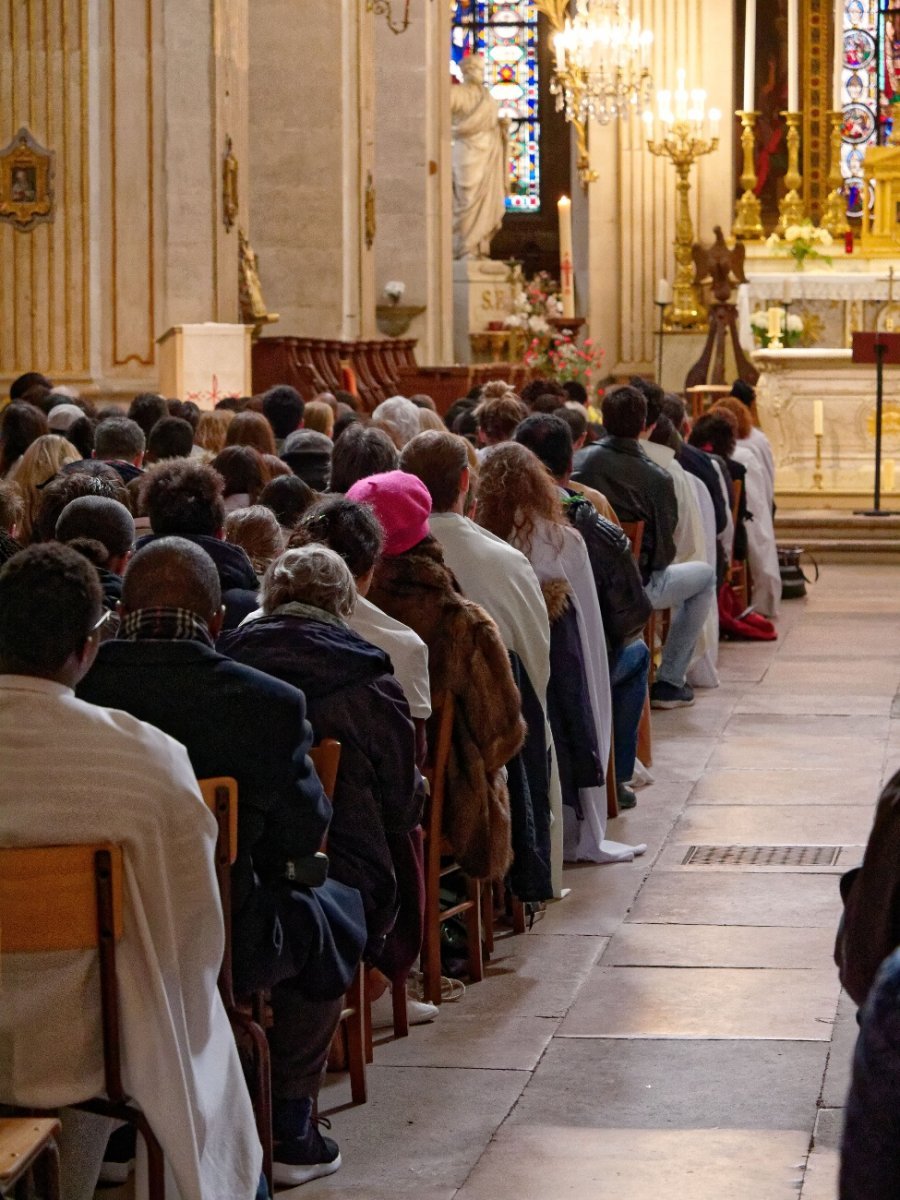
[[790, 206], [817, 471], [681, 144], [747, 214], [834, 217]]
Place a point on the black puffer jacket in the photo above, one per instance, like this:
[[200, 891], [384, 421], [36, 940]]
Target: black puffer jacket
[[623, 602]]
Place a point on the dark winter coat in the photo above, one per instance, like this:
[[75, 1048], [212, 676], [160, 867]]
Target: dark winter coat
[[238, 581], [351, 695], [467, 659]]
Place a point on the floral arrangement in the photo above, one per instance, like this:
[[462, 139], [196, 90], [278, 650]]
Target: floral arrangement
[[394, 291], [792, 330], [564, 359], [533, 302], [802, 242]]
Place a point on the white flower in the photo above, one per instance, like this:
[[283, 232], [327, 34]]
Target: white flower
[[824, 237], [773, 241], [394, 290], [537, 324], [514, 321], [792, 233], [759, 319], [794, 323]]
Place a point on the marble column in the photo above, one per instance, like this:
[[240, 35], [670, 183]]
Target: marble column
[[312, 164]]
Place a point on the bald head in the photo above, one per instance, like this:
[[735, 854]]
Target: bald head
[[172, 572]]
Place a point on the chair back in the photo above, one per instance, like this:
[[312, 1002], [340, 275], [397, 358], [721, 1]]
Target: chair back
[[326, 758], [220, 794], [69, 898], [634, 531], [440, 736]]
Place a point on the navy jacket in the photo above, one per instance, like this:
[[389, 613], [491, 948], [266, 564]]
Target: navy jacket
[[239, 722], [240, 587]]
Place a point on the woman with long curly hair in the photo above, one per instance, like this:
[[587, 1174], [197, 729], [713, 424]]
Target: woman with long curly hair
[[41, 462], [519, 502]]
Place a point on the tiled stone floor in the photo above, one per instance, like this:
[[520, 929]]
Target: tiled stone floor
[[669, 1031]]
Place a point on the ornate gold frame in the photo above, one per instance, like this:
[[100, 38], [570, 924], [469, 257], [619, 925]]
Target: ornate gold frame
[[26, 182]]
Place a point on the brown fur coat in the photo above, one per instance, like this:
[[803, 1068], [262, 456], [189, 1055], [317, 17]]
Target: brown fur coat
[[467, 659]]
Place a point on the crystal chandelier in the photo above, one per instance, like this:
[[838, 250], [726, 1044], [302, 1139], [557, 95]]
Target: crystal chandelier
[[602, 58]]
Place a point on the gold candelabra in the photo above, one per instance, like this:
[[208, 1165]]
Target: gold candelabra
[[748, 215], [682, 144], [834, 217], [790, 206]]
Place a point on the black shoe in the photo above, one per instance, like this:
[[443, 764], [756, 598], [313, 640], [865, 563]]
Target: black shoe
[[305, 1158], [625, 796], [667, 695]]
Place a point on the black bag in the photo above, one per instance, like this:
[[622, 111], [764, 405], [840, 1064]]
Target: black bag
[[793, 578]]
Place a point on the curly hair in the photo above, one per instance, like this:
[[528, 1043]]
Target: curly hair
[[251, 429], [514, 493], [101, 480], [256, 530], [312, 575], [499, 416], [10, 506], [183, 496], [212, 429], [350, 529], [41, 462]]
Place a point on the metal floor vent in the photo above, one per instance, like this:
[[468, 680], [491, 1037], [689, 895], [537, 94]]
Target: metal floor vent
[[761, 856]]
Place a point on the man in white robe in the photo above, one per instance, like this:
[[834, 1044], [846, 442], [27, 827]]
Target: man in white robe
[[75, 773]]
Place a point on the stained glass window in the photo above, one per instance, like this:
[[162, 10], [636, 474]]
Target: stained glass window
[[505, 32], [871, 80]]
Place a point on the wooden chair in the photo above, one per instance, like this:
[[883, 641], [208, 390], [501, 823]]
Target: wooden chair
[[221, 796], [356, 1015], [71, 898], [29, 1158], [437, 851]]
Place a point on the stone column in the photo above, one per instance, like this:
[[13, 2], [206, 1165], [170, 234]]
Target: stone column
[[412, 172], [312, 169]]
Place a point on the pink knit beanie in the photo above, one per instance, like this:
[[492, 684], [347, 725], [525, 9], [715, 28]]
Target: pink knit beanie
[[402, 504]]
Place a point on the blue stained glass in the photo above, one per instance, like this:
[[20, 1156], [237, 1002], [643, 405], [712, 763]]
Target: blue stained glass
[[871, 79], [505, 33]]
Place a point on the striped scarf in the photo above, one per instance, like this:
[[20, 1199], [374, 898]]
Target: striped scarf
[[164, 625]]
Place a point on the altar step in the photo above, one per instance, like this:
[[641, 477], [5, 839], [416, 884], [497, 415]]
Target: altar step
[[832, 535]]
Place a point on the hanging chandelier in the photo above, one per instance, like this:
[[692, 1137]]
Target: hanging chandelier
[[602, 67]]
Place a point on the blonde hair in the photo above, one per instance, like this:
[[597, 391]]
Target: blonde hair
[[41, 462], [212, 429], [515, 491], [257, 532], [319, 416], [429, 420]]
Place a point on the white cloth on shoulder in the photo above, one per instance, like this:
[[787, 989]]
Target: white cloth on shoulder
[[762, 553], [702, 671], [408, 653]]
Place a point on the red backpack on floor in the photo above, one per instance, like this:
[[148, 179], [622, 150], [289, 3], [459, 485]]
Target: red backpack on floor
[[741, 625]]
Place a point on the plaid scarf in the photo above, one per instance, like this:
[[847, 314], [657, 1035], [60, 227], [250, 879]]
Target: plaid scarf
[[164, 625]]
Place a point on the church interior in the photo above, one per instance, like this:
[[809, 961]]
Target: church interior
[[444, 447]]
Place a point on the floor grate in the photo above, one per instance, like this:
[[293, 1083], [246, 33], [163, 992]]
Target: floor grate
[[761, 856]]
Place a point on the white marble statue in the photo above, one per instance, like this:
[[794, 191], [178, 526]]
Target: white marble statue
[[480, 166]]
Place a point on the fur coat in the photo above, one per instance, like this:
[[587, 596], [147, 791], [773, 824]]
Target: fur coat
[[467, 659]]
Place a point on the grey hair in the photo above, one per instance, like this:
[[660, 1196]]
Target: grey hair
[[399, 418], [311, 575]]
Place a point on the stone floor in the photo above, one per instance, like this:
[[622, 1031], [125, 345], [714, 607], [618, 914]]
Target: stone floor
[[669, 1030]]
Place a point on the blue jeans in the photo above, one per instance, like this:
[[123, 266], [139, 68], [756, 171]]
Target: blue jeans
[[688, 589], [628, 668]]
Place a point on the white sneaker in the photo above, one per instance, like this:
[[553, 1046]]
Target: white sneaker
[[418, 1012]]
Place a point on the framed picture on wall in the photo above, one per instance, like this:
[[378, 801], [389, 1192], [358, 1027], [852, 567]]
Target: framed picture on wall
[[26, 182]]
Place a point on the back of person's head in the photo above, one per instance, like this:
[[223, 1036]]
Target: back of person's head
[[535, 388], [183, 497], [514, 492], [498, 416], [342, 423], [429, 419], [50, 601], [465, 424], [740, 412], [96, 480], [62, 416], [350, 529], [172, 572], [274, 466], [146, 409], [10, 506], [347, 398], [212, 429], [119, 439], [362, 450], [312, 575], [652, 393], [319, 416], [549, 437], [40, 397], [464, 404], [421, 401], [674, 409], [288, 497], [624, 412], [402, 504], [438, 459], [547, 402], [256, 530], [399, 418], [283, 408], [232, 404], [309, 454], [575, 390], [20, 425], [715, 432], [24, 383], [187, 410], [97, 527], [744, 392], [171, 437], [251, 429], [575, 416], [41, 463], [243, 471], [81, 434], [496, 387]]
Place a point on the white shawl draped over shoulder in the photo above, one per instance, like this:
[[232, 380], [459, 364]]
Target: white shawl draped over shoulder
[[75, 772]]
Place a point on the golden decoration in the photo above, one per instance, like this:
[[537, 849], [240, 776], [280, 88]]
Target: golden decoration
[[382, 8], [229, 186], [26, 182], [890, 421], [813, 328], [253, 308], [371, 224]]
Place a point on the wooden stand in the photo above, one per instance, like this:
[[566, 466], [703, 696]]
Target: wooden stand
[[710, 366], [880, 349]]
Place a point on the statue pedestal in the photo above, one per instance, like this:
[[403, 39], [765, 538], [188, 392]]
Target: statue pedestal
[[205, 363], [483, 292]]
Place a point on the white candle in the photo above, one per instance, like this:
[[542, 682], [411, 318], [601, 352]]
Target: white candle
[[750, 56], [838, 83], [560, 53], [664, 292], [818, 418], [793, 32], [787, 291], [888, 474], [774, 314], [566, 266]]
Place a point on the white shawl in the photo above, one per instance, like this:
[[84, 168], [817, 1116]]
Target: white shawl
[[762, 553]]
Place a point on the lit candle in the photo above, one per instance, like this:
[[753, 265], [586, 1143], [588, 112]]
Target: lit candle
[[566, 268], [714, 118], [888, 474], [664, 292], [750, 56], [774, 315], [560, 49], [818, 418], [793, 34]]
